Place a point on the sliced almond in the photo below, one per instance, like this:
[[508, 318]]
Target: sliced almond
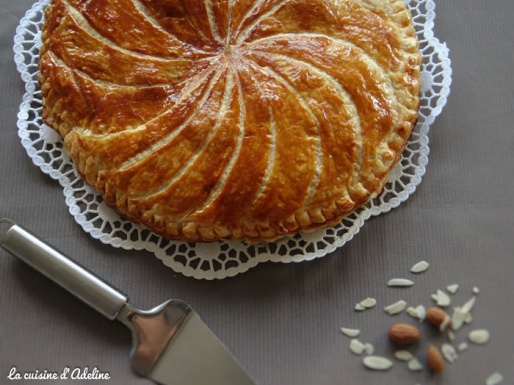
[[446, 322], [350, 332], [452, 288], [420, 267], [468, 306], [356, 347], [396, 307], [441, 298], [369, 348], [462, 346], [494, 379], [377, 363], [479, 336], [418, 312], [414, 364], [368, 302], [449, 352], [458, 318], [400, 282], [403, 355]]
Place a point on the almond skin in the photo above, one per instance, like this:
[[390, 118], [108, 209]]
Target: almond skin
[[436, 316], [404, 334], [435, 359]]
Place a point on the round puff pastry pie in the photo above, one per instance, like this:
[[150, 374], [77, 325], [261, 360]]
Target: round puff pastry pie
[[231, 119]]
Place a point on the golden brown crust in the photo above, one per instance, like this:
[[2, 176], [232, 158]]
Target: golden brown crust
[[238, 119]]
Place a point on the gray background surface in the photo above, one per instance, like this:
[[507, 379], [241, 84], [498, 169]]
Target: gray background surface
[[282, 320]]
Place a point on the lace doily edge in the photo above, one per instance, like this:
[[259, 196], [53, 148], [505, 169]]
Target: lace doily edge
[[439, 48]]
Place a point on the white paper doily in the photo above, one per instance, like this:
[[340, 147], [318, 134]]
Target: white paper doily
[[224, 259]]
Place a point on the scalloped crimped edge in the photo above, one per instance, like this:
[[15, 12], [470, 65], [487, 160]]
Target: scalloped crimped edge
[[70, 176]]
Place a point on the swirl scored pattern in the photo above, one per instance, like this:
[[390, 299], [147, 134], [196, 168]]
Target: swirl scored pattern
[[222, 259], [316, 97]]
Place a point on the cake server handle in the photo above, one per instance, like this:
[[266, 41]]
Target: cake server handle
[[61, 269]]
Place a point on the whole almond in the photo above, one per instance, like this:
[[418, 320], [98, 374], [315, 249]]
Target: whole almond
[[404, 334], [435, 359], [436, 316]]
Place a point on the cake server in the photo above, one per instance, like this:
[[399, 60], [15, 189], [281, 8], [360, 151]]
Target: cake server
[[171, 345]]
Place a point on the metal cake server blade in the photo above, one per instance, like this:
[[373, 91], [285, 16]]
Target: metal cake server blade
[[171, 344]]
